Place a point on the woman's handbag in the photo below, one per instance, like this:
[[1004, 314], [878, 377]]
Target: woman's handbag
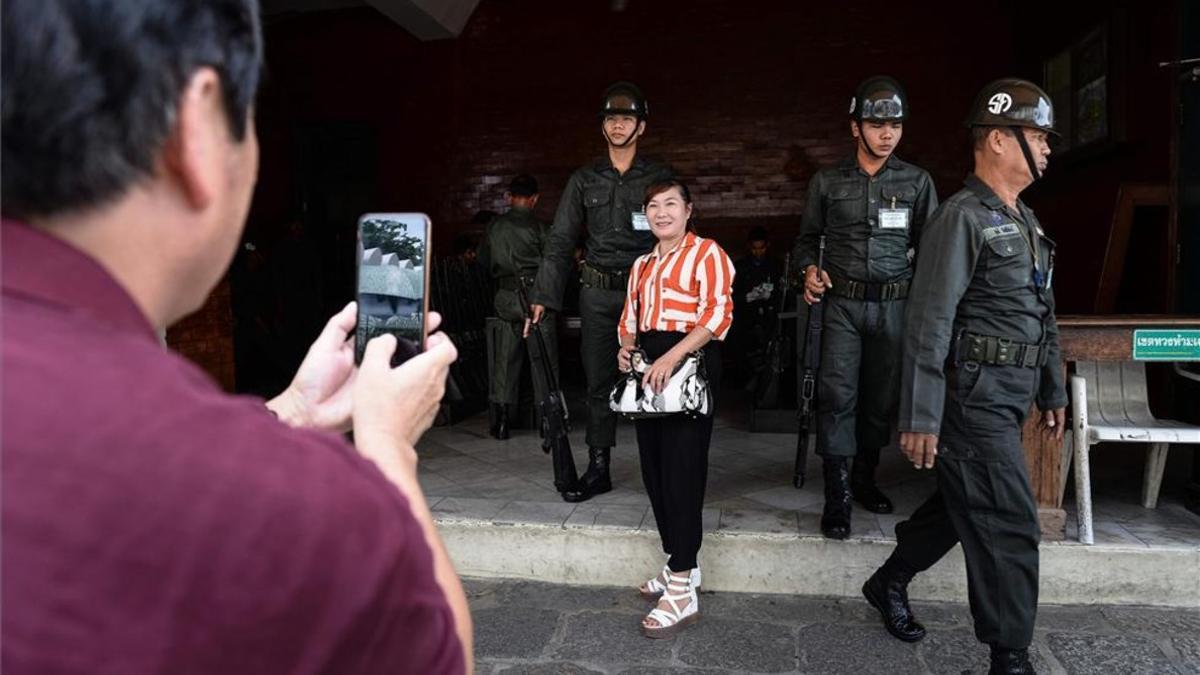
[[686, 392]]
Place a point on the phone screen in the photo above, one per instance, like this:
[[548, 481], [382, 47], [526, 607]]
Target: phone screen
[[393, 275]]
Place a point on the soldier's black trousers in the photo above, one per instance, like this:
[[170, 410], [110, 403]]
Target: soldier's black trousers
[[599, 313], [507, 349], [984, 500], [859, 381], [674, 457]]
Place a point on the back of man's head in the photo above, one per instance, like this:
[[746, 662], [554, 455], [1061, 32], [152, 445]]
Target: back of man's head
[[90, 91]]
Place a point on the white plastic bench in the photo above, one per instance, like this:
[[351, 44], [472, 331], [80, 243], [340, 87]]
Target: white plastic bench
[[1109, 402]]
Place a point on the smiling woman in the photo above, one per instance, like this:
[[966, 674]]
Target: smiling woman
[[678, 302]]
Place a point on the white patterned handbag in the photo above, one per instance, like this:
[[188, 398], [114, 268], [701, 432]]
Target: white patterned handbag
[[686, 392]]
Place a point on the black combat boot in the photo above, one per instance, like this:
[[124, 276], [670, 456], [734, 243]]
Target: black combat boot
[[862, 483], [887, 591], [1011, 662], [499, 428], [594, 481], [835, 521]]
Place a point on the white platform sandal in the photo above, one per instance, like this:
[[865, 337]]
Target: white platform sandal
[[671, 621], [653, 589]]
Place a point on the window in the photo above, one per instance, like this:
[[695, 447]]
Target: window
[[1077, 81]]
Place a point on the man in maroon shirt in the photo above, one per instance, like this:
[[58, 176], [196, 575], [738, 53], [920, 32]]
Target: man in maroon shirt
[[151, 523]]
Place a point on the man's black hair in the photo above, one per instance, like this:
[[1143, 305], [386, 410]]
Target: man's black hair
[[758, 233], [90, 90]]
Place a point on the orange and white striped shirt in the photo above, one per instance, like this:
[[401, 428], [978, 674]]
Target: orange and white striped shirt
[[689, 286]]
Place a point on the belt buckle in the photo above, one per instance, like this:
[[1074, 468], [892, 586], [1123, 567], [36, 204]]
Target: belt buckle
[[1032, 356], [1005, 353], [872, 292], [976, 348]]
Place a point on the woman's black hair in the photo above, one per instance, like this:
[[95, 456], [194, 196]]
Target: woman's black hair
[[662, 186]]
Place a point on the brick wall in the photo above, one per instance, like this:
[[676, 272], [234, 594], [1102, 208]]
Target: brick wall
[[206, 337]]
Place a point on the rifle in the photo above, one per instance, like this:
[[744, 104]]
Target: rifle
[[768, 393], [556, 423], [808, 381]]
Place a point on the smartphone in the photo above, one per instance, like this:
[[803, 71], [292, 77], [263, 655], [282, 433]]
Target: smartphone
[[393, 281]]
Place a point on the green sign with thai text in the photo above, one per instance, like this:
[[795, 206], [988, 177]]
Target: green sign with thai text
[[1166, 345]]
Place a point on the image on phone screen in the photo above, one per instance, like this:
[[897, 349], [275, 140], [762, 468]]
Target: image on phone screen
[[392, 264]]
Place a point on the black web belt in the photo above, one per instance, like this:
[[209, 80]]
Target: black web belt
[[862, 290], [998, 351], [594, 277]]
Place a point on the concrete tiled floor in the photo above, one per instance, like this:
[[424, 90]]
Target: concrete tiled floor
[[469, 476]]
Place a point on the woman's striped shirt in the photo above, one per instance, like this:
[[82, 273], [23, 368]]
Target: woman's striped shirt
[[689, 286]]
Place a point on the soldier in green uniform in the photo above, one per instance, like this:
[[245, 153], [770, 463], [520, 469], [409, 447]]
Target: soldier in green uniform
[[870, 209], [511, 253], [980, 347], [605, 197]]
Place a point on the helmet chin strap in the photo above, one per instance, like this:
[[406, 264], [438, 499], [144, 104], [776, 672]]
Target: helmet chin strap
[[631, 139], [862, 139], [1033, 170]]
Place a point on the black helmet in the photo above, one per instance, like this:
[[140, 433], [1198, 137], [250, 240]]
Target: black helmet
[[879, 99], [624, 98], [1012, 102]]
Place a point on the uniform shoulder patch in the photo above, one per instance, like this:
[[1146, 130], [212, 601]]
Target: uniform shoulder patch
[[1002, 230]]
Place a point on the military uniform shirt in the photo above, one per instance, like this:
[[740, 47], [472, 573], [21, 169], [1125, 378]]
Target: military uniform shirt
[[975, 273], [513, 244], [605, 201], [843, 204]]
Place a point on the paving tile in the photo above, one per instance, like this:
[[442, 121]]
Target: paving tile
[[1188, 649], [837, 649], [1126, 654], [789, 610], [746, 520], [1146, 620], [547, 669], [809, 524], [611, 515], [1072, 619], [787, 497], [667, 670], [738, 645], [1104, 532], [432, 483], [625, 495], [1166, 538], [610, 637], [954, 651], [568, 599], [466, 508], [513, 632], [550, 513]]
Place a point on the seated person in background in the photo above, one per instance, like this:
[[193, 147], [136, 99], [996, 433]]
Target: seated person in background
[[755, 290]]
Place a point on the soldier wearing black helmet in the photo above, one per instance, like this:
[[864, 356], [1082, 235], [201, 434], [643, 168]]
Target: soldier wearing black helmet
[[980, 347], [870, 209], [510, 254], [605, 197]]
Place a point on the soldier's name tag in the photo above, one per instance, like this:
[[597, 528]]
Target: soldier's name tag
[[640, 222], [996, 231], [893, 219]]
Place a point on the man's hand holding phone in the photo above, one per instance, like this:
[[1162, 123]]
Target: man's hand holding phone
[[394, 406], [321, 394]]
